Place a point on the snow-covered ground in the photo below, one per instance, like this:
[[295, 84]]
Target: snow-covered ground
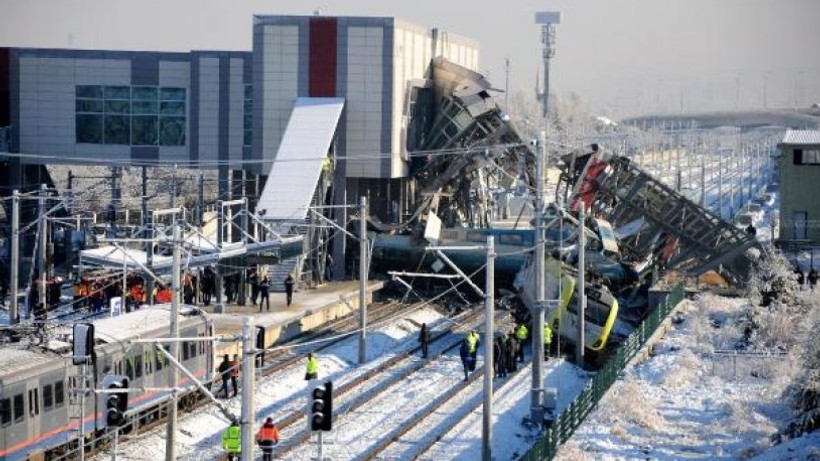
[[688, 402]]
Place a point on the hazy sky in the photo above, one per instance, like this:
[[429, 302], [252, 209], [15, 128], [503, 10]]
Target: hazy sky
[[627, 55]]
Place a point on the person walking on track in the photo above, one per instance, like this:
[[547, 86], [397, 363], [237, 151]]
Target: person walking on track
[[312, 371], [267, 437], [232, 441], [424, 339]]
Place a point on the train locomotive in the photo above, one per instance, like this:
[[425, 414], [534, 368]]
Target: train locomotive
[[40, 389]]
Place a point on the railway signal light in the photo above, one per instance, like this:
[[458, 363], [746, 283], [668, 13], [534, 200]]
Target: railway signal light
[[116, 403], [321, 407]]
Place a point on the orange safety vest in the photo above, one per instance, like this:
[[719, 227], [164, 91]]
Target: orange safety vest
[[235, 368], [268, 433]]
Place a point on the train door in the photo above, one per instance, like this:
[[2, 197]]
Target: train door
[[13, 419]]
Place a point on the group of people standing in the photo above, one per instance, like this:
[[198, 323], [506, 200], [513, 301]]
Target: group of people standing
[[266, 438], [260, 289], [508, 349], [812, 277]]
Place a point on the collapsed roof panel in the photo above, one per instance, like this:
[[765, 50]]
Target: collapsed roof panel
[[675, 233]]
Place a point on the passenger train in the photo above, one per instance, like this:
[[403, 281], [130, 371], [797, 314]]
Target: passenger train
[[40, 403]]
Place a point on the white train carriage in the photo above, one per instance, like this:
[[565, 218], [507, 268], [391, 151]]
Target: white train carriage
[[40, 413]]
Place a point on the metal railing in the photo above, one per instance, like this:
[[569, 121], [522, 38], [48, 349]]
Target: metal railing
[[572, 417]]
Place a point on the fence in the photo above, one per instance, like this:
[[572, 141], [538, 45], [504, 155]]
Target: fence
[[572, 417], [733, 364]]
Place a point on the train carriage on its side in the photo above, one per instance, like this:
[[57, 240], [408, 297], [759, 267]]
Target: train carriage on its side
[[40, 404]]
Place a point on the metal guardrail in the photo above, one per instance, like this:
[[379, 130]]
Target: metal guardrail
[[572, 417]]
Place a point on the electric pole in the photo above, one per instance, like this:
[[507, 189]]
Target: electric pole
[[537, 391], [248, 389], [363, 280], [582, 299], [170, 436], [489, 360], [14, 314]]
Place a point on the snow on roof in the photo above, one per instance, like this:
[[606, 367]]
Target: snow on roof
[[801, 137], [134, 324], [13, 360], [111, 255]]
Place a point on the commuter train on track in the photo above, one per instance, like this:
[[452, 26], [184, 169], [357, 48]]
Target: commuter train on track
[[40, 389]]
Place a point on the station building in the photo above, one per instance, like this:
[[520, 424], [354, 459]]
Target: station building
[[230, 110], [799, 176]]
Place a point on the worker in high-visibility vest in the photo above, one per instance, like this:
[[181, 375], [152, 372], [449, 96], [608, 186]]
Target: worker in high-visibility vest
[[312, 371], [547, 340], [232, 441], [267, 437], [521, 333]]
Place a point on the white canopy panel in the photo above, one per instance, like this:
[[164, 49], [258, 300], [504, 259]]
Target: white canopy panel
[[298, 164]]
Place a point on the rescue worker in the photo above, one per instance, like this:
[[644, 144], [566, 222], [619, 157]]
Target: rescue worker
[[289, 288], [232, 440], [521, 333], [225, 371], [547, 340], [473, 341], [499, 362], [266, 438], [511, 352], [813, 278], [235, 364], [424, 339], [312, 371], [466, 358]]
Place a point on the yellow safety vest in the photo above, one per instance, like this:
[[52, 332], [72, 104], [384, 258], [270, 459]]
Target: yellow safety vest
[[231, 441], [547, 334], [312, 365], [521, 332]]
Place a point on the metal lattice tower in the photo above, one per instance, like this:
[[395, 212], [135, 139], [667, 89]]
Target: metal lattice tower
[[547, 20]]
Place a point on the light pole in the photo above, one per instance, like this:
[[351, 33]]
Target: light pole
[[547, 20]]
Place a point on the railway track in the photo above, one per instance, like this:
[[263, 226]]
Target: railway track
[[368, 393], [276, 360]]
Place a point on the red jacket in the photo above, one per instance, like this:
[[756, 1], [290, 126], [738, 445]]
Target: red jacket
[[268, 435]]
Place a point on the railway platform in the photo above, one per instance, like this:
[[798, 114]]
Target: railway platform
[[310, 309]]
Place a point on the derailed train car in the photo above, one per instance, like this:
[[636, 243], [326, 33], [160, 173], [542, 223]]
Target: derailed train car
[[40, 409]]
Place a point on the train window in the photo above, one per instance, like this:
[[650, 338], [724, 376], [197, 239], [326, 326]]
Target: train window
[[129, 368], [192, 345], [59, 394], [5, 412], [185, 350], [149, 361], [33, 402], [118, 367], [201, 346], [18, 408], [510, 239], [138, 366], [48, 397]]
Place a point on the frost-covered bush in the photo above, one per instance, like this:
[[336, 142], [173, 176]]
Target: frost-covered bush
[[805, 391], [778, 314]]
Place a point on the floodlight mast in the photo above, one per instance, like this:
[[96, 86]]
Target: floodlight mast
[[547, 20]]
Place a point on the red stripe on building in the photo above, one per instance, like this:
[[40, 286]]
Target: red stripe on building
[[322, 65]]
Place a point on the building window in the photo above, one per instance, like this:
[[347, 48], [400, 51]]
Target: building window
[[247, 138], [130, 115], [811, 157]]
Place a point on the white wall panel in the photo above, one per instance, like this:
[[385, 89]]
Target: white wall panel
[[365, 63], [209, 109], [280, 84]]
